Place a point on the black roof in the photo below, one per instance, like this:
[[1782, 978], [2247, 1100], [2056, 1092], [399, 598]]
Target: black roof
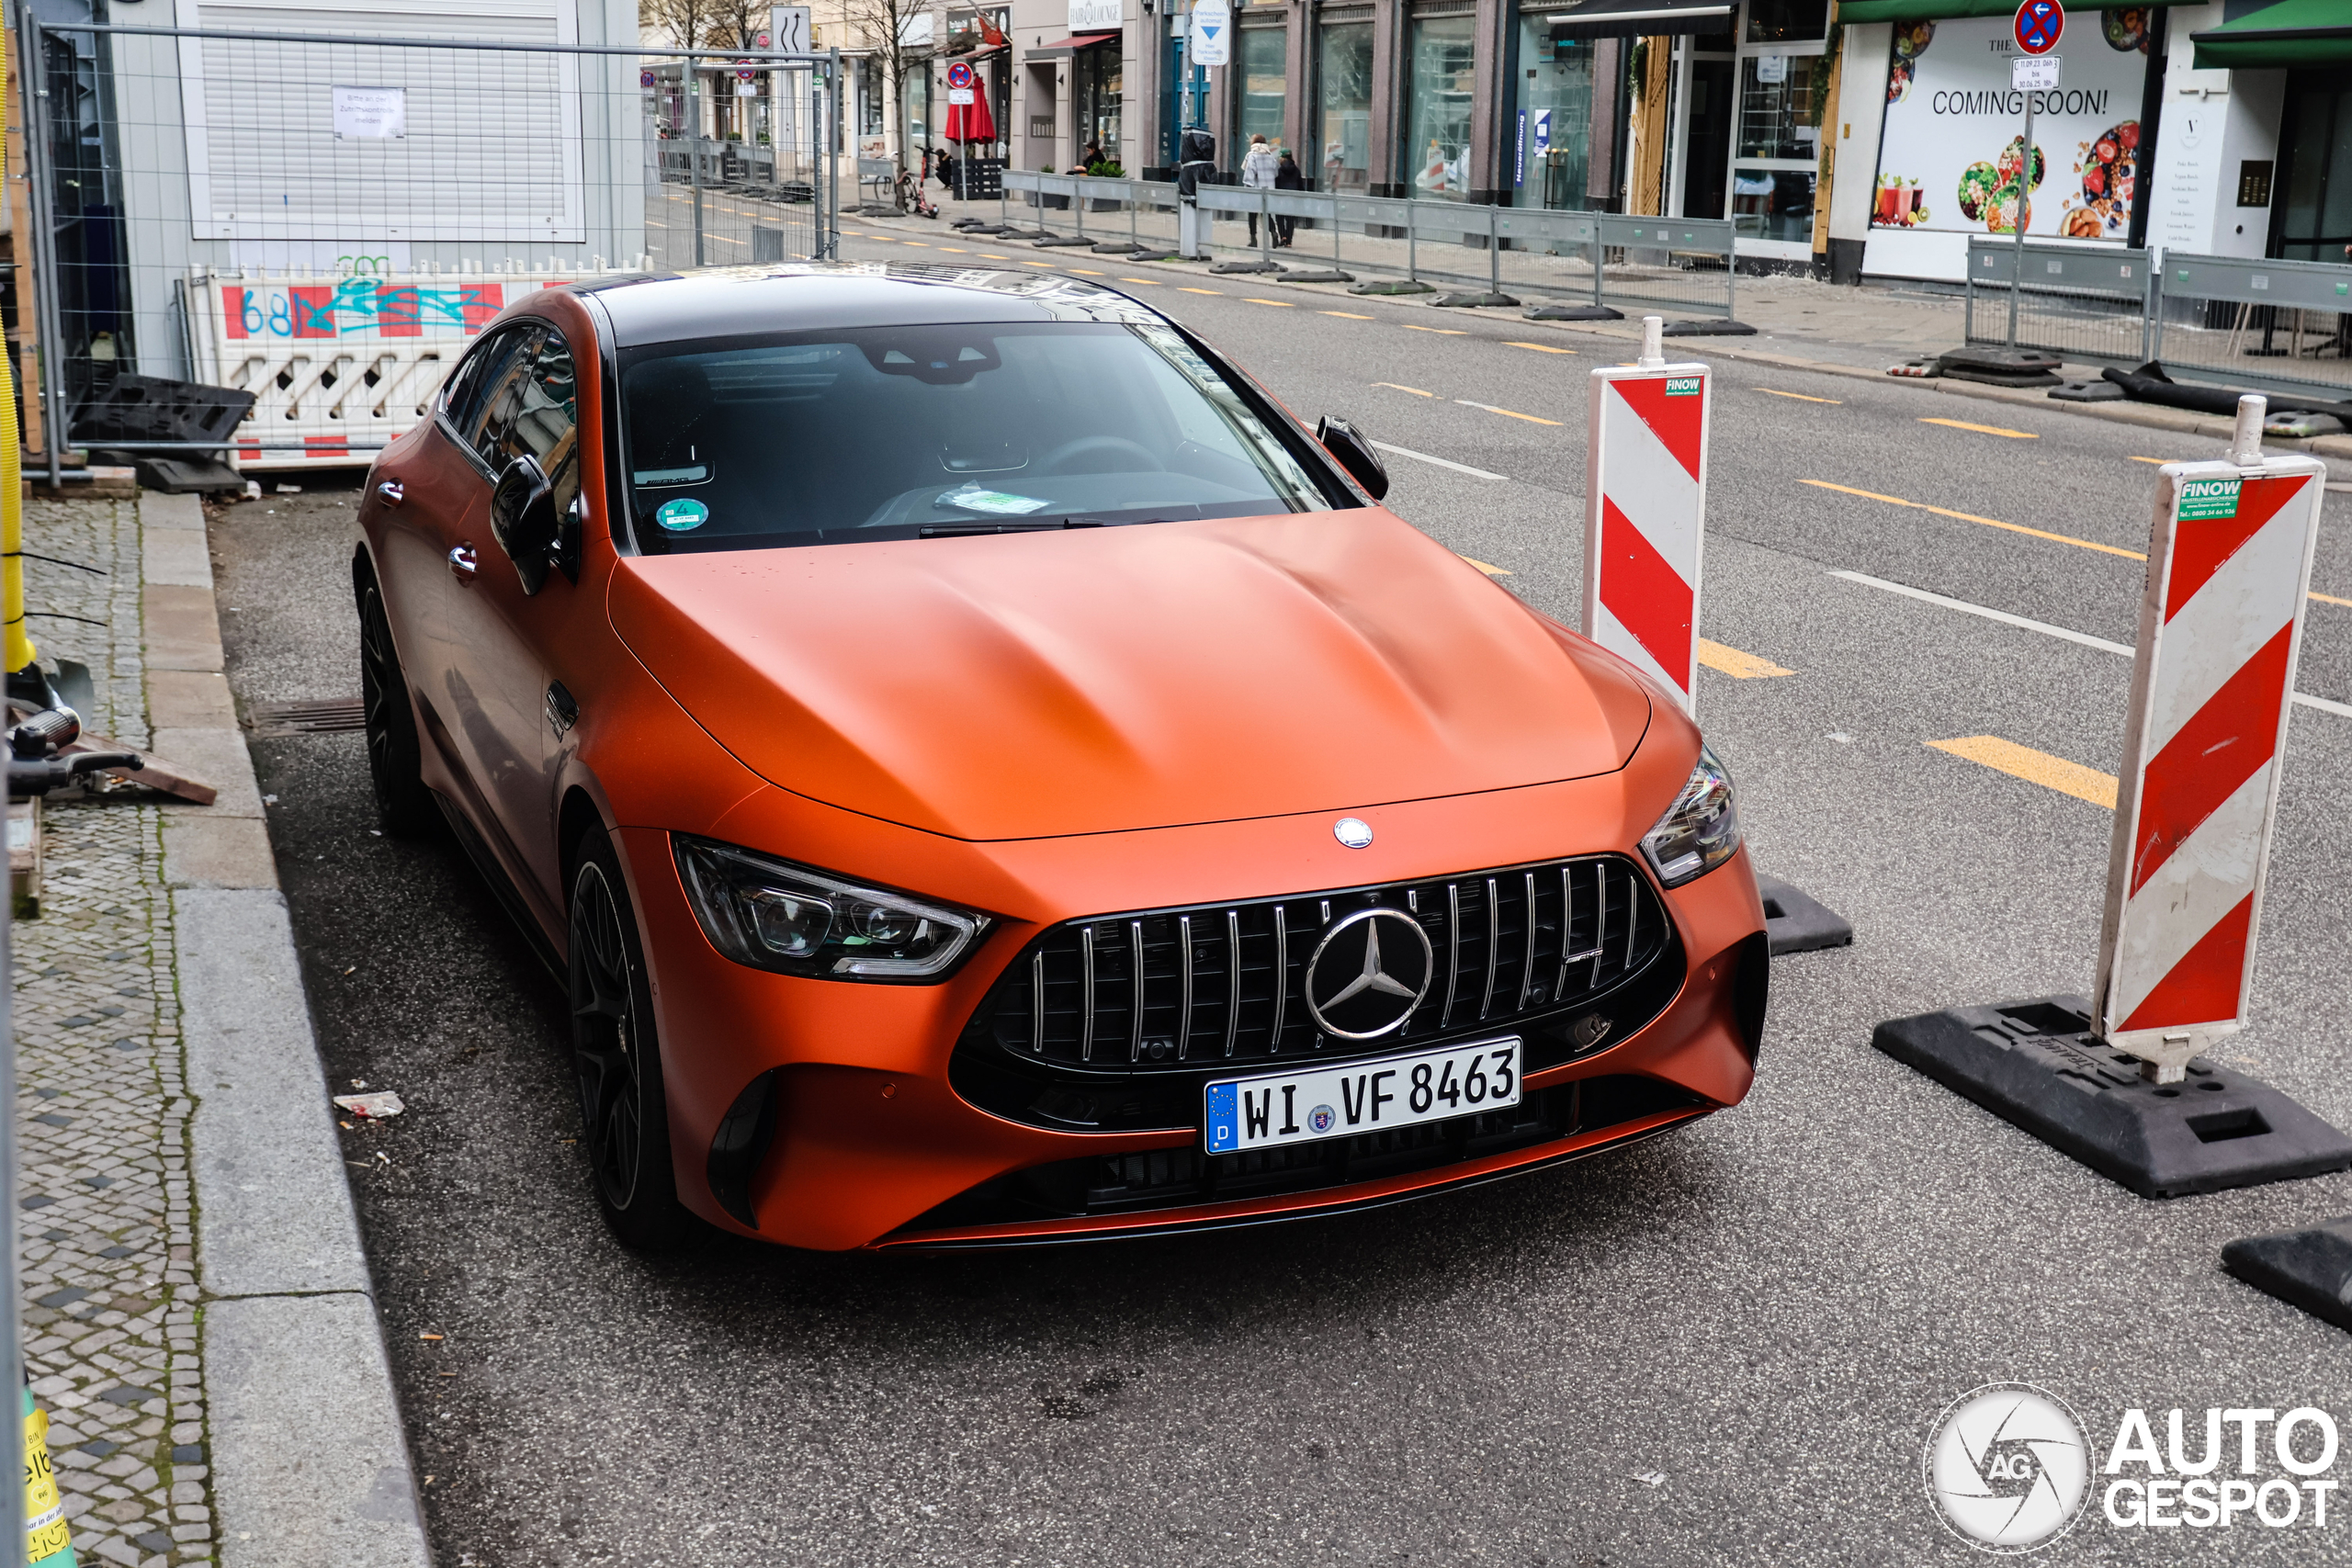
[[811, 296]]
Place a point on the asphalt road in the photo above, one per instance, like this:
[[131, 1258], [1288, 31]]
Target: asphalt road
[[1725, 1347]]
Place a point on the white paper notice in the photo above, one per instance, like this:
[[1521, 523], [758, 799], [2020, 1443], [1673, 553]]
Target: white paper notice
[[2033, 72], [370, 114]]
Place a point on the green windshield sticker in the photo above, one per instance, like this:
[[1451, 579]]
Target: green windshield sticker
[[2204, 499], [681, 514], [971, 498], [1682, 385]]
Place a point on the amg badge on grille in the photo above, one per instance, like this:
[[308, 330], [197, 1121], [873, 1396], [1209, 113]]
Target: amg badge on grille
[[1353, 831]]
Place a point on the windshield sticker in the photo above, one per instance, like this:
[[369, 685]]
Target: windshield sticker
[[681, 514], [971, 498]]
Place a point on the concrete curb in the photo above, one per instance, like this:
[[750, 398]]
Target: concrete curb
[[2181, 421], [310, 1461]]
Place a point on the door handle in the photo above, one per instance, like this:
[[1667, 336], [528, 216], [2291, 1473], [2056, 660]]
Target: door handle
[[391, 492], [464, 564]]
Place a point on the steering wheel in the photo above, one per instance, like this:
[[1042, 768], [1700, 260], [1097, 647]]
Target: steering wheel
[[1054, 462]]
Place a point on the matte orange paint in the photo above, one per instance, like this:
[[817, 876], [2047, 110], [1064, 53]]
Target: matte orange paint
[[1042, 727]]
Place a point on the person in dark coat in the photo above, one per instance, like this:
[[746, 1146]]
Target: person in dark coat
[[1287, 176]]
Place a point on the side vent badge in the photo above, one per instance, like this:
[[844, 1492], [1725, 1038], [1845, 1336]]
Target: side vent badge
[[562, 711]]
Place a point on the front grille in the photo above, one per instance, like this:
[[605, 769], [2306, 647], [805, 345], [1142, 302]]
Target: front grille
[[1182, 1177], [1223, 985]]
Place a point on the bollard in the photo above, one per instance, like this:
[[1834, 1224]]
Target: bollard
[[2118, 1080]]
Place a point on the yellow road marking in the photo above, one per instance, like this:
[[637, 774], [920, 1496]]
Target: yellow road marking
[[2157, 460], [1348, 315], [1733, 662], [1441, 331], [1801, 397], [2034, 767], [1277, 304], [1146, 282], [2332, 598], [1036, 264], [956, 249], [1987, 522], [916, 243], [1394, 387], [724, 240], [1187, 289], [1538, 347], [1087, 270], [1482, 566], [992, 256], [1984, 429], [1507, 413]]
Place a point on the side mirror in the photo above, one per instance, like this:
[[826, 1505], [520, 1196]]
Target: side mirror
[[1353, 453], [523, 519]]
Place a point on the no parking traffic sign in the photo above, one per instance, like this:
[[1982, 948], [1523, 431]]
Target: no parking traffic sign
[[2040, 25]]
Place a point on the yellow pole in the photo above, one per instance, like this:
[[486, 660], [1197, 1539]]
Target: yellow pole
[[17, 650]]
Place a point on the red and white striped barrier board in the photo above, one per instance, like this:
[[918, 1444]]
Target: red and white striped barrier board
[[2229, 566], [1645, 508]]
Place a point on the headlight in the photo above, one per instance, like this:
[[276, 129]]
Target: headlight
[[773, 915], [1699, 830]]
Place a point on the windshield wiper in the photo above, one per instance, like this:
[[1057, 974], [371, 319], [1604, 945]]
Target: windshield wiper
[[959, 530]]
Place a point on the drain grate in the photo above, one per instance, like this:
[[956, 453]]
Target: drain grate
[[330, 715]]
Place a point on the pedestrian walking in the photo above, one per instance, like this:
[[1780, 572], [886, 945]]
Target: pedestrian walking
[[1287, 176], [1258, 168]]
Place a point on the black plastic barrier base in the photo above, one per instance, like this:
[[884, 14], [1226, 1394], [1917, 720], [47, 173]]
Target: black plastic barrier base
[[2036, 1064], [2309, 1268], [1794, 923]]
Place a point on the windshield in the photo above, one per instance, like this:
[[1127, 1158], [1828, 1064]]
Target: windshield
[[923, 431]]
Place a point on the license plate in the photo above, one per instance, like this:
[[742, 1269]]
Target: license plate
[[1272, 1109]]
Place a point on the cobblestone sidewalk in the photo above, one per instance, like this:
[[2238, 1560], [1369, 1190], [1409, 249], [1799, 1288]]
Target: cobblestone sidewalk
[[105, 1224]]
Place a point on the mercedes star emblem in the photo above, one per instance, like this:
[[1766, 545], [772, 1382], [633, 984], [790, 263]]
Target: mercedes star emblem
[[1368, 974], [1353, 831]]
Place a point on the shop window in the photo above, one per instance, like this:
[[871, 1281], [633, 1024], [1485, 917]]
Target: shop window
[[1263, 78], [1343, 119], [2315, 215], [1555, 117], [1098, 82], [1437, 122], [1787, 22], [1776, 117]]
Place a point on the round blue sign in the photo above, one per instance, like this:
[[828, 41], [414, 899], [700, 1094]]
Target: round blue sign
[[2040, 25], [681, 515]]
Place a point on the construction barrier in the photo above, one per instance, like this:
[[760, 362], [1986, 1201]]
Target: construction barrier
[[338, 366], [1645, 509], [2229, 574], [2120, 1082]]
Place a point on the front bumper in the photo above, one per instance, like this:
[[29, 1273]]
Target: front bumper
[[871, 1147]]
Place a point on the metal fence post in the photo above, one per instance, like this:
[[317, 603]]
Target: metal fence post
[[1494, 250], [1731, 279], [1334, 230], [1265, 226], [694, 147], [830, 118], [1412, 244], [47, 273], [1596, 262], [1135, 234], [2152, 335], [12, 1340]]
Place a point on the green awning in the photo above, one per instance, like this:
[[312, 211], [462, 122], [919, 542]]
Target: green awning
[[2291, 33], [1857, 11]]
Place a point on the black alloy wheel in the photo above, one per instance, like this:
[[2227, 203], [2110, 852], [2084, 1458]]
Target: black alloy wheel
[[395, 759], [618, 1058]]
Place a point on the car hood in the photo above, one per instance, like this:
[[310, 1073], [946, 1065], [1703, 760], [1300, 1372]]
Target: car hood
[[1030, 686]]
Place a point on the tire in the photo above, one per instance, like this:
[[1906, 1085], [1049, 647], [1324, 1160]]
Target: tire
[[395, 757], [616, 1058]]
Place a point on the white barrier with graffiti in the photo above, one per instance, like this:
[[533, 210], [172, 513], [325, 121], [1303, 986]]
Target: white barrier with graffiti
[[339, 366]]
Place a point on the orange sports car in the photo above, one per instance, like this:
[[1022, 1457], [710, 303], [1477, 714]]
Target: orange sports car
[[988, 774]]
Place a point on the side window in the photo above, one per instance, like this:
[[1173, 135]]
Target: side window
[[506, 379], [462, 399], [544, 418]]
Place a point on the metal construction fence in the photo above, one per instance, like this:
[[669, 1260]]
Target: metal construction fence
[[323, 218], [2274, 325], [1600, 258]]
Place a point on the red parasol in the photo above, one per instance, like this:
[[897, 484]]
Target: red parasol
[[968, 121]]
